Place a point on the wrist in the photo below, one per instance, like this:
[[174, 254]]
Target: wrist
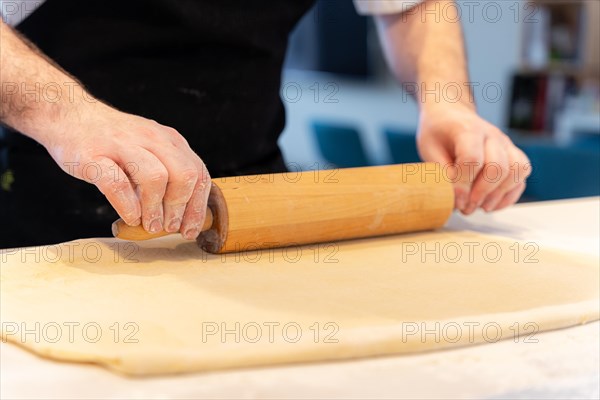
[[432, 94], [444, 106], [51, 122]]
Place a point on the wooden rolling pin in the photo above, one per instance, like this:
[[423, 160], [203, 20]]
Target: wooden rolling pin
[[278, 210]]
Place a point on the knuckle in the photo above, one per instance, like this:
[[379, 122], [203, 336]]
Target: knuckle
[[191, 221], [174, 211], [129, 213], [195, 210], [187, 177], [175, 198], [118, 186], [151, 210], [482, 191], [149, 134], [518, 155], [156, 177], [468, 159], [87, 153], [503, 169], [525, 167], [111, 183], [172, 131], [499, 135], [175, 137], [180, 189], [509, 186]]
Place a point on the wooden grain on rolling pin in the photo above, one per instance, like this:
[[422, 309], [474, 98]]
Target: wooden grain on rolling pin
[[276, 210]]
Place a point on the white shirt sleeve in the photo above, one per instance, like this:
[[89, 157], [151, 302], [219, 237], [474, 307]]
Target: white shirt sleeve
[[378, 7], [13, 12]]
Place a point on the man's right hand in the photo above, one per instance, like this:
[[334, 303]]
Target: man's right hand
[[146, 170]]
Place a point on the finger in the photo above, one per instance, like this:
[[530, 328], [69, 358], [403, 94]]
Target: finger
[[435, 152], [150, 177], [438, 150], [432, 151], [511, 197], [195, 211], [519, 170], [494, 172], [469, 156], [113, 182], [521, 166], [183, 175]]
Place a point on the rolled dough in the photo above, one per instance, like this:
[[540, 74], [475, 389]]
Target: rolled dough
[[164, 306]]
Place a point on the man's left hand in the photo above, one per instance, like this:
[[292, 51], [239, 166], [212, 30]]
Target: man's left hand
[[487, 169]]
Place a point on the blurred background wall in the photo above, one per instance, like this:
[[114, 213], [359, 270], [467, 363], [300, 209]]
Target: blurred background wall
[[535, 65]]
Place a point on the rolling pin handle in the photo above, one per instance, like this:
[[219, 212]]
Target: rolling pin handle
[[123, 231]]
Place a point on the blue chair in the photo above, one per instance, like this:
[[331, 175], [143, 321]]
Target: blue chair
[[587, 140], [403, 145], [563, 172], [340, 145]]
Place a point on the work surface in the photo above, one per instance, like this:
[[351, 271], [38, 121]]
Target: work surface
[[561, 364]]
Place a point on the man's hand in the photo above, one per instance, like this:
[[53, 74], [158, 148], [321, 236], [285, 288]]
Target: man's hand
[[146, 170], [425, 49], [487, 169]]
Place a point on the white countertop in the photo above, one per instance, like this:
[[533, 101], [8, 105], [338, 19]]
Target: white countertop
[[562, 364]]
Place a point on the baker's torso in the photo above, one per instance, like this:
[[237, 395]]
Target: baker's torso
[[211, 69]]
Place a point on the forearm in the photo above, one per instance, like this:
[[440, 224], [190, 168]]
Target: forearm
[[425, 49], [37, 96]]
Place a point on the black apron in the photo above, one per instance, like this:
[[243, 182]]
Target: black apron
[[210, 69]]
